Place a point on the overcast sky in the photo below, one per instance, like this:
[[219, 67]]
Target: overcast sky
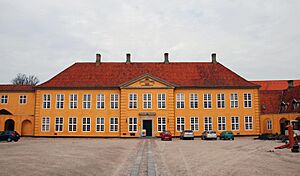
[[257, 39]]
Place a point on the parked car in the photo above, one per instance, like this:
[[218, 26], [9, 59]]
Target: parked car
[[209, 135], [166, 135], [9, 136], [187, 134], [227, 135]]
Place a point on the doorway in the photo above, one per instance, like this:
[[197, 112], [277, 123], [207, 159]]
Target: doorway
[[147, 125], [9, 125]]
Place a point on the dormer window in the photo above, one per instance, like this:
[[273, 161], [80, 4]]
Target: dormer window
[[263, 107], [283, 106], [296, 104]]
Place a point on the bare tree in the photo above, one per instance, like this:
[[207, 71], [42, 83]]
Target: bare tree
[[23, 79]]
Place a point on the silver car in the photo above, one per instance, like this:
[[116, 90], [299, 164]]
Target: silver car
[[187, 134], [209, 135]]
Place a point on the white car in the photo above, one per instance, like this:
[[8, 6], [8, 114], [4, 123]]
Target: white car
[[187, 134], [209, 135]]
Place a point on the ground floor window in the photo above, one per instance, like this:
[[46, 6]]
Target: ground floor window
[[86, 124], [248, 123], [100, 124], [180, 124], [207, 123], [221, 123], [45, 123], [161, 124], [72, 124], [114, 124], [235, 125], [194, 123], [269, 125], [132, 125], [59, 121]]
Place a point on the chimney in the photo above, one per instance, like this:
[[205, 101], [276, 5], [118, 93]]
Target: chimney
[[290, 84], [214, 58], [98, 59], [166, 58], [128, 58]]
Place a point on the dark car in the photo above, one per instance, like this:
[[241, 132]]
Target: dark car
[[166, 135], [227, 135], [9, 136]]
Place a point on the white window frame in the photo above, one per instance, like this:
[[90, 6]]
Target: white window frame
[[180, 125], [194, 123], [208, 123], [114, 127], [73, 101], [221, 123], [269, 124], [235, 123], [161, 100], [46, 101], [132, 124], [59, 124], [234, 100], [60, 101], [161, 124], [100, 101], [194, 101], [114, 101], [86, 124], [71, 124], [180, 101], [147, 100], [4, 99], [86, 101], [247, 100], [100, 124], [132, 101], [207, 101], [248, 123], [22, 99], [221, 101], [45, 124]]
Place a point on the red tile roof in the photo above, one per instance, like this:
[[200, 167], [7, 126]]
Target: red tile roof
[[192, 74], [275, 84], [270, 101], [15, 88], [289, 96]]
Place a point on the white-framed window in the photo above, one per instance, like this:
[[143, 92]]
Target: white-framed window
[[114, 101], [193, 101], [180, 101], [46, 124], [221, 100], [235, 123], [132, 101], [180, 124], [73, 101], [23, 99], [248, 122], [194, 123], [86, 103], [114, 124], [86, 124], [72, 124], [269, 125], [147, 101], [46, 101], [207, 101], [221, 123], [100, 101], [100, 127], [132, 124], [60, 98], [161, 100], [247, 100], [207, 123], [161, 124], [59, 122], [4, 99], [234, 101]]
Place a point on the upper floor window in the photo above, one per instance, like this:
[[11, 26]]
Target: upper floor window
[[247, 100], [221, 100], [248, 123], [114, 101], [46, 101], [207, 101], [60, 101], [180, 101], [73, 101], [87, 98], [4, 99], [132, 101], [23, 99], [234, 103], [161, 101], [147, 101], [194, 101], [100, 101]]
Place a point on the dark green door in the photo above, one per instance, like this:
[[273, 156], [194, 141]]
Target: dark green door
[[147, 125]]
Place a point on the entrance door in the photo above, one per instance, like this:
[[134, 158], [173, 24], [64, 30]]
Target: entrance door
[[9, 125], [147, 125]]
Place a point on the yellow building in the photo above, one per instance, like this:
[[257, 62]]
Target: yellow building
[[120, 99]]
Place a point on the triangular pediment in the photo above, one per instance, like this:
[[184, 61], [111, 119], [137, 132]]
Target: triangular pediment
[[147, 81], [5, 112]]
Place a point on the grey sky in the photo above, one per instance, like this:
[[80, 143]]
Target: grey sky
[[256, 39]]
